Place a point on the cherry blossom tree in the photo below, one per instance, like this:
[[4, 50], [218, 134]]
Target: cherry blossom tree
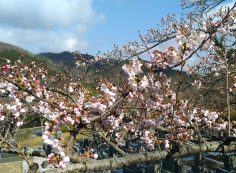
[[147, 109]]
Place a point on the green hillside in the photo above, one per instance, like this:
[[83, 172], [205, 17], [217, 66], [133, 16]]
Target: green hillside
[[13, 54]]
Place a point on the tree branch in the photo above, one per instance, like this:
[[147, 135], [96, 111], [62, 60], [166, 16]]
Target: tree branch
[[115, 163]]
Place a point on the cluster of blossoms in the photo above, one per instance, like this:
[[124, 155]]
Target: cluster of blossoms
[[52, 159], [12, 104], [234, 82], [162, 60], [133, 69]]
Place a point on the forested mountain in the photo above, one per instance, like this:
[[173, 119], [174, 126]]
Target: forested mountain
[[67, 58], [64, 58], [53, 61], [13, 53]]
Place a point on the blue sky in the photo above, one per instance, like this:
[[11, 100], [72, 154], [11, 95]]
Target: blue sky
[[124, 18], [85, 25]]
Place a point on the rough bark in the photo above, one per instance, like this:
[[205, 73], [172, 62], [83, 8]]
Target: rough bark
[[119, 162]]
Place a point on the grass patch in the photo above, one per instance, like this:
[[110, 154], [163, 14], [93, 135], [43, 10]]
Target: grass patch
[[13, 167], [23, 134], [24, 137], [33, 142], [233, 115], [84, 134]]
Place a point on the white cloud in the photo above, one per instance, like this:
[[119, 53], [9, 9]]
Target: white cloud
[[47, 25], [43, 40]]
